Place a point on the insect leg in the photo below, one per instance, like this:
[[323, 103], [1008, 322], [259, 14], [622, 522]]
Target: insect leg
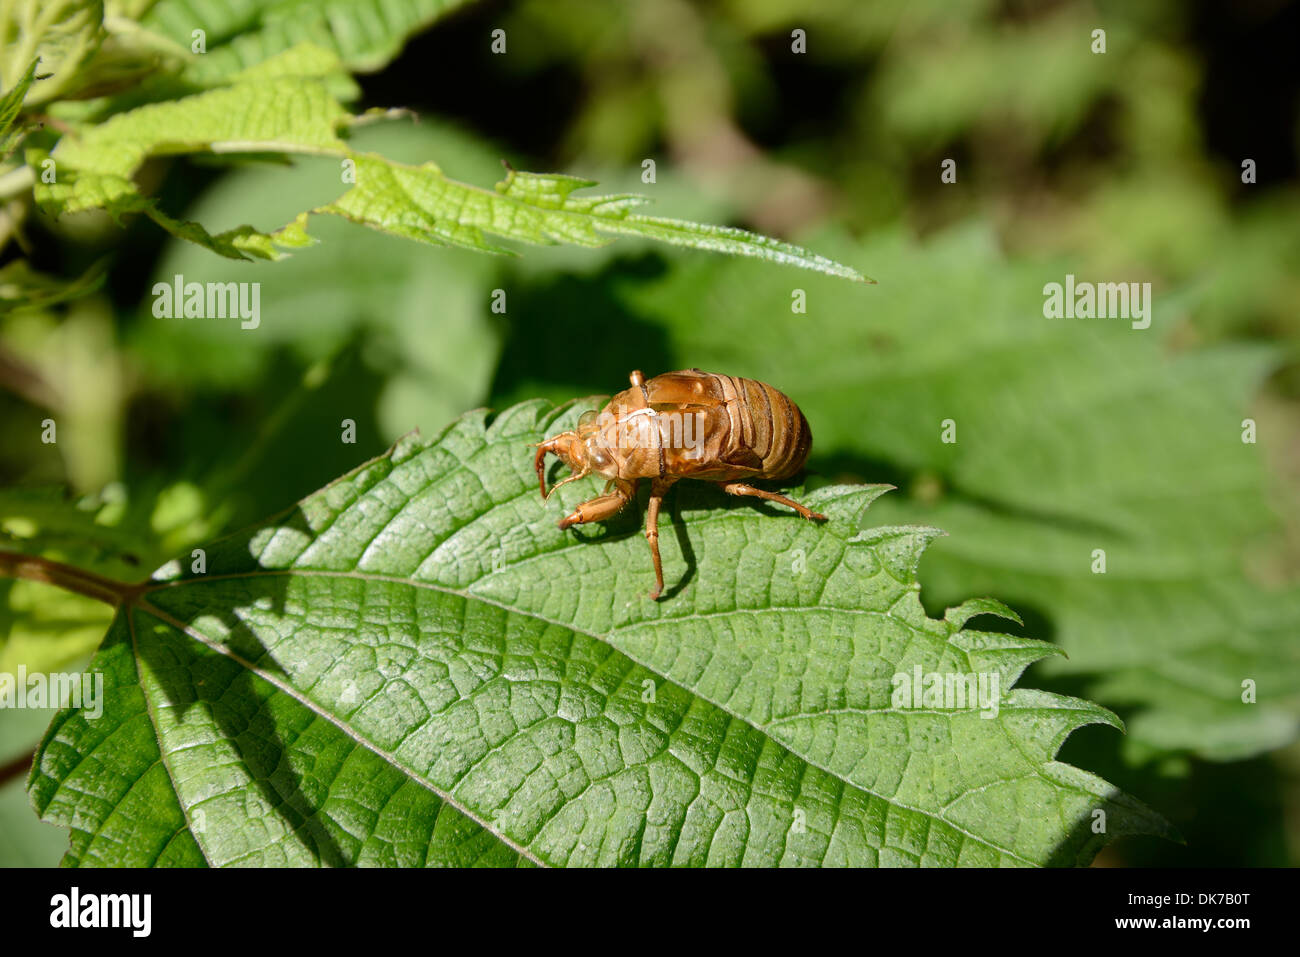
[[657, 489], [556, 445], [602, 506], [741, 488], [539, 462]]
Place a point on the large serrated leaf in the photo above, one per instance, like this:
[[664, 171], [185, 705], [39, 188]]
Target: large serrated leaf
[[415, 666]]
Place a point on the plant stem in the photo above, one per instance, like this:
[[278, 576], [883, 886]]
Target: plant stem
[[17, 767], [76, 580]]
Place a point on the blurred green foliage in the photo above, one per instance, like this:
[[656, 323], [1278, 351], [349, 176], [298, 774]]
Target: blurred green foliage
[[1121, 166]]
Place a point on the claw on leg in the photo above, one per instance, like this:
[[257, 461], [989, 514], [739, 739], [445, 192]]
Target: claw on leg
[[744, 489], [539, 463], [559, 445], [602, 506]]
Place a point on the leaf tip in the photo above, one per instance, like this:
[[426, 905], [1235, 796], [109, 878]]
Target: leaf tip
[[958, 615]]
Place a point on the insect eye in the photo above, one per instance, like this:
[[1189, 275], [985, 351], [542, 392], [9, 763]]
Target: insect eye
[[587, 421]]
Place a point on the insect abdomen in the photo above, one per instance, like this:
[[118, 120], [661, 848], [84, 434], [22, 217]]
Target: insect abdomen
[[771, 426]]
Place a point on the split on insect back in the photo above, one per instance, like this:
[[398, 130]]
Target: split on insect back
[[681, 425]]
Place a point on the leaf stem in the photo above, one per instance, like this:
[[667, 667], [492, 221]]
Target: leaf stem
[[76, 580]]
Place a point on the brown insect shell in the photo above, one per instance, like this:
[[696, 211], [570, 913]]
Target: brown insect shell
[[624, 440], [678, 434]]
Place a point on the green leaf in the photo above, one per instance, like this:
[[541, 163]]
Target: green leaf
[[1071, 436], [364, 34], [1170, 632], [10, 104], [280, 105], [21, 287], [353, 283], [284, 106], [261, 113], [421, 203], [63, 34], [415, 666], [87, 531], [77, 192]]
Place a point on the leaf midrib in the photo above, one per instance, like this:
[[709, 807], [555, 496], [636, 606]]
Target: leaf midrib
[[286, 688], [151, 708]]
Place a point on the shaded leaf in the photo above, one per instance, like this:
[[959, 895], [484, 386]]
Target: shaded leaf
[[22, 287]]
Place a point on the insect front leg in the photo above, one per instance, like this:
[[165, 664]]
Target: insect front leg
[[602, 506], [742, 488], [563, 446], [657, 489]]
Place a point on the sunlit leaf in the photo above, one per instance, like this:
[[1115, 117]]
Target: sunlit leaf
[[415, 666]]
